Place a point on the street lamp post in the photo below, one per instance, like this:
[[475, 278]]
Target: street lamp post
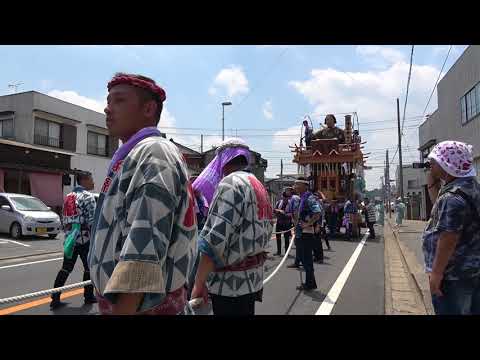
[[227, 103]]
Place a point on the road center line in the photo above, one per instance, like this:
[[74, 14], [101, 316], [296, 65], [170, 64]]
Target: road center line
[[35, 303], [29, 263], [18, 243], [331, 299]]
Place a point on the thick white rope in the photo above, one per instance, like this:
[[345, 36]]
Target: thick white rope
[[44, 292], [192, 303], [280, 264], [282, 232]]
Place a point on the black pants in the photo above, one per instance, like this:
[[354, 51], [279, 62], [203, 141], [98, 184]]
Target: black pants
[[234, 306], [372, 230], [285, 235], [298, 251], [323, 232], [318, 247], [307, 244], [67, 268]]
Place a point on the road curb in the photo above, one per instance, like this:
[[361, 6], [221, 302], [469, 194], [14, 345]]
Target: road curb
[[388, 310], [423, 296], [32, 255]]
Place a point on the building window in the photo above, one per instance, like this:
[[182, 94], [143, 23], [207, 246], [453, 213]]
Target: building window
[[477, 91], [6, 127], [47, 133], [476, 163], [412, 184], [96, 144], [470, 104]]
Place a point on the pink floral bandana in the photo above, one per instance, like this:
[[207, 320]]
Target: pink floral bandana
[[455, 158]]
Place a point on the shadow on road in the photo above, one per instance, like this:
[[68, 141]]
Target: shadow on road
[[316, 295], [293, 303], [82, 310]]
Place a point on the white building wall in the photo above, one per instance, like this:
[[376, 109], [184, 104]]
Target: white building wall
[[97, 165], [445, 123], [22, 105]]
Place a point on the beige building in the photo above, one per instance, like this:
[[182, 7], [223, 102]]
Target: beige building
[[413, 191], [43, 140], [458, 113]]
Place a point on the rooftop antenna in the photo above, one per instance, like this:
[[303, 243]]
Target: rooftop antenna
[[15, 86]]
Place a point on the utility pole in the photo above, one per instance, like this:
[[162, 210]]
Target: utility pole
[[281, 175], [383, 188], [400, 150], [226, 103], [201, 143], [387, 182]]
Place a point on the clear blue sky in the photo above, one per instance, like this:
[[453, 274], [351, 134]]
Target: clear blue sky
[[271, 88]]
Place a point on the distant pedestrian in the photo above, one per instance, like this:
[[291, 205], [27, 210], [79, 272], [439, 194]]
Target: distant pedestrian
[[308, 133], [318, 247], [308, 214], [78, 211], [321, 224], [284, 220], [399, 211], [350, 211], [451, 240], [380, 208], [333, 218], [370, 217]]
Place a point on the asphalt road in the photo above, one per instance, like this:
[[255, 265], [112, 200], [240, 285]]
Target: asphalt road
[[362, 293], [10, 248]]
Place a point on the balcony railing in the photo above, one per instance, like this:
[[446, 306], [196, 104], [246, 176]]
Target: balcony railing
[[48, 141], [93, 150]]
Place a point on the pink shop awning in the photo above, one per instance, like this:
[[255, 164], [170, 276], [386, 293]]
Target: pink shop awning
[[47, 187]]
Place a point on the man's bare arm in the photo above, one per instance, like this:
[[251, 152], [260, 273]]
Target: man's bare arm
[[445, 248]]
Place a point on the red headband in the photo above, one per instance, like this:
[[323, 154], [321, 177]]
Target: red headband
[[130, 80]]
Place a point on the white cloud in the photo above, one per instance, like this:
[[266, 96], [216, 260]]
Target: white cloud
[[268, 110], [373, 95], [231, 80], [166, 119], [77, 99]]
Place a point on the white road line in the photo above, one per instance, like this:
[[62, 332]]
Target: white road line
[[3, 242], [19, 243], [29, 263], [331, 299]]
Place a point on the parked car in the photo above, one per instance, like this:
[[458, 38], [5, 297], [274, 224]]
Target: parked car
[[22, 215]]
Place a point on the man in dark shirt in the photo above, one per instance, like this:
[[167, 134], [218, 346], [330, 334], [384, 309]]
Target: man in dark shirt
[[451, 240]]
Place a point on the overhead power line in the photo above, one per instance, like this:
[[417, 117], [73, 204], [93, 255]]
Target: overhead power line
[[436, 82]]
